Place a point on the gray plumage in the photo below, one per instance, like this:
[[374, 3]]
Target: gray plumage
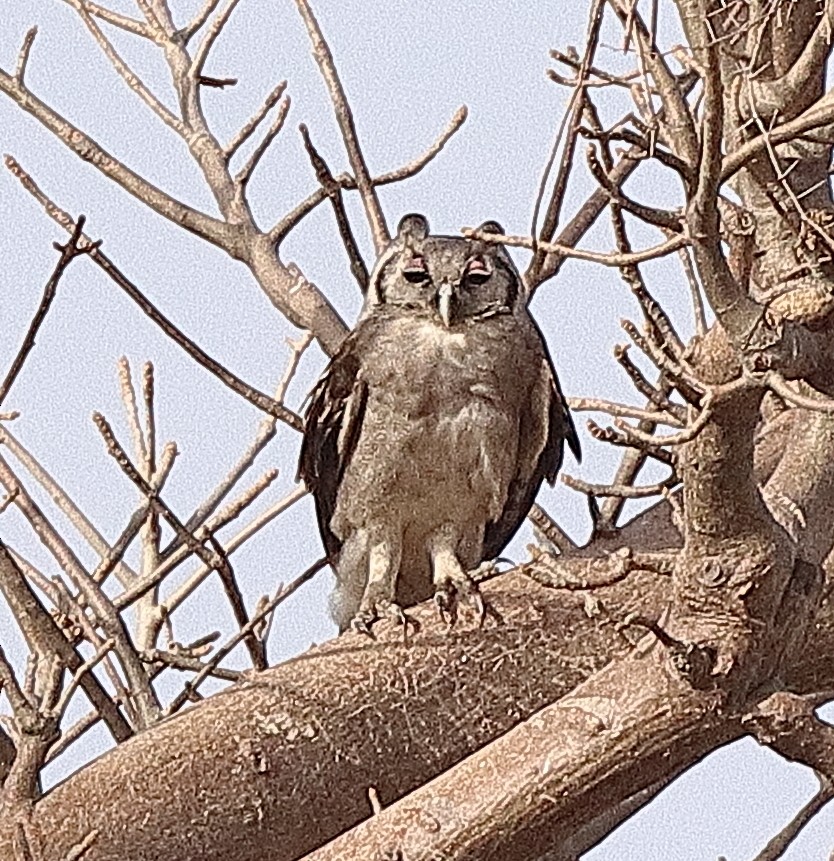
[[429, 434]]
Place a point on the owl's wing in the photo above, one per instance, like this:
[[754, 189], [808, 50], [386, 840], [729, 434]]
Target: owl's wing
[[331, 429], [544, 429]]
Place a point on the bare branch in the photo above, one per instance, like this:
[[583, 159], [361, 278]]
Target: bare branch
[[126, 73], [69, 252], [114, 555], [71, 688], [150, 417], [565, 251], [23, 710], [622, 491], [214, 558], [41, 629], [571, 121], [260, 400], [550, 529], [68, 508], [216, 83], [23, 55], [357, 265], [344, 116], [777, 383], [251, 125], [186, 663], [596, 572], [123, 22], [128, 393], [199, 19], [211, 34], [185, 589], [787, 723], [243, 175], [217, 232], [623, 411], [698, 309], [665, 219], [292, 218], [102, 607], [820, 114], [282, 594]]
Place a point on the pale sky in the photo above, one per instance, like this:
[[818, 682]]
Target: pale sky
[[406, 68]]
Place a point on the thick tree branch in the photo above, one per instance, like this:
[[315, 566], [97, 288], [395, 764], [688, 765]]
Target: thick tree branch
[[214, 231]]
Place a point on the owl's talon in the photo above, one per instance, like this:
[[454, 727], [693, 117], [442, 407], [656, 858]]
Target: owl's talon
[[444, 600], [361, 623], [451, 594], [479, 604]]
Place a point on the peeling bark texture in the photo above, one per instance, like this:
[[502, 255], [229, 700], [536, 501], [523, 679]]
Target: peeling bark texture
[[247, 767]]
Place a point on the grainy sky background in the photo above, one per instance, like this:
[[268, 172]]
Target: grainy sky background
[[407, 68]]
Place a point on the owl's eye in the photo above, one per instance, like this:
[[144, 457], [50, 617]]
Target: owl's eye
[[477, 272], [415, 270]]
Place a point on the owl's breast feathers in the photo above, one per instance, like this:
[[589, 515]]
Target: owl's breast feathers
[[473, 413]]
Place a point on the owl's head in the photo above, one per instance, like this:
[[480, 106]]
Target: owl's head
[[452, 278]]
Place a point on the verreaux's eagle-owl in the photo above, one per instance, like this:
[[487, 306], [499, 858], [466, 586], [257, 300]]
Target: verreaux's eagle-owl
[[429, 434]]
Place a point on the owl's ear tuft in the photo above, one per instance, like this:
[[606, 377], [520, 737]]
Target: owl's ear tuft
[[491, 227], [413, 226]]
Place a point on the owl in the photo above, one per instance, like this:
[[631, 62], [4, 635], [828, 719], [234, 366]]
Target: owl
[[429, 434]]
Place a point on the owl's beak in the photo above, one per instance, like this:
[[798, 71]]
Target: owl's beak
[[445, 295]]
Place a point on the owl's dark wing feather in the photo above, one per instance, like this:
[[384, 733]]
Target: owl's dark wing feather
[[331, 429], [545, 428]]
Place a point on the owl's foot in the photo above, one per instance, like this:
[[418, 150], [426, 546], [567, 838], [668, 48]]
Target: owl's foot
[[452, 591], [362, 621]]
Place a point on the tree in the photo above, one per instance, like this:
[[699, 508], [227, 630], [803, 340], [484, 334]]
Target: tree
[[618, 664]]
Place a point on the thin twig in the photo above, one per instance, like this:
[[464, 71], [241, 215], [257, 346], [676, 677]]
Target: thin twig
[[777, 847], [146, 583], [698, 309], [243, 176], [347, 182], [199, 19], [148, 387], [251, 125], [215, 558], [107, 616], [68, 508], [624, 411], [216, 83], [128, 393], [570, 121], [282, 594], [23, 55], [344, 117], [778, 384], [686, 435], [357, 265], [69, 252], [123, 22], [613, 259], [622, 491], [61, 706], [210, 36], [194, 580], [187, 663], [550, 529], [42, 630], [251, 394], [133, 81], [265, 433], [117, 551]]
